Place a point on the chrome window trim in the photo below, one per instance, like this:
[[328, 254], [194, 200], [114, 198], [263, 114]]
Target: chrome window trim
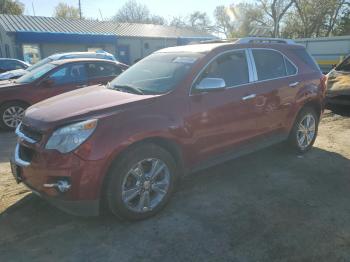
[[23, 136], [284, 56], [250, 73], [253, 74]]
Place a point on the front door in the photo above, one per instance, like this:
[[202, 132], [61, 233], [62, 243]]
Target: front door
[[66, 78], [223, 119]]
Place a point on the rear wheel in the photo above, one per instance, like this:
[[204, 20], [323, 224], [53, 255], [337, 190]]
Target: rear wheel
[[11, 115], [304, 131], [141, 182]]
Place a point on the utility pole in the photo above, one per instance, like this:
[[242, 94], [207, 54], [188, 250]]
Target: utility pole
[[33, 8], [79, 9]]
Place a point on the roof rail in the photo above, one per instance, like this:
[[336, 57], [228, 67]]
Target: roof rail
[[214, 41], [248, 40]]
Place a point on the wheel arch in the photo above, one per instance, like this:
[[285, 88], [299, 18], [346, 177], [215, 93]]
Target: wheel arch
[[19, 101], [166, 143]]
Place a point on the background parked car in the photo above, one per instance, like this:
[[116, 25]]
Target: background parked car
[[338, 84], [9, 64], [20, 72], [51, 79]]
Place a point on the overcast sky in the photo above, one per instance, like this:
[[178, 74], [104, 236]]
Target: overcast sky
[[90, 8]]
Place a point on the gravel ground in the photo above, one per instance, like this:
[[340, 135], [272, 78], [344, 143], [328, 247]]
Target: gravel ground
[[267, 206]]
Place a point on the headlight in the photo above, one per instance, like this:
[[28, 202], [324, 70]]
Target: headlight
[[68, 138]]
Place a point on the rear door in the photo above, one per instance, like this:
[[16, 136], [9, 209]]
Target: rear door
[[277, 84], [102, 72], [223, 119]]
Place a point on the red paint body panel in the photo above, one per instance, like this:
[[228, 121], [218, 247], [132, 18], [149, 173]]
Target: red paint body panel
[[37, 91], [202, 125]]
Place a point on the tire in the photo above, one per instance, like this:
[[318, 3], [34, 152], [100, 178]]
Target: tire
[[298, 131], [126, 180], [16, 109]]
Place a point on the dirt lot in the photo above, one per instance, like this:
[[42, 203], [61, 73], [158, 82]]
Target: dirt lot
[[268, 206]]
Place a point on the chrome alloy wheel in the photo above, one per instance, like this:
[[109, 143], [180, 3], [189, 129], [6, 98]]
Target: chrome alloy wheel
[[306, 131], [12, 116], [145, 185]]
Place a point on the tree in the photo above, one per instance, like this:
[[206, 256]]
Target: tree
[[303, 21], [344, 23], [63, 10], [178, 21], [275, 10], [199, 21], [134, 12], [11, 7], [223, 21]]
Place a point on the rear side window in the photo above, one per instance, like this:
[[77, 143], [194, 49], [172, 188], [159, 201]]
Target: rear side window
[[291, 69], [96, 70], [232, 67], [304, 56], [269, 64]]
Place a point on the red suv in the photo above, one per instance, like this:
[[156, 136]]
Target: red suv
[[181, 109], [51, 79]]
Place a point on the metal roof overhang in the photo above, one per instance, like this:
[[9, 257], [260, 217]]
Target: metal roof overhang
[[74, 38]]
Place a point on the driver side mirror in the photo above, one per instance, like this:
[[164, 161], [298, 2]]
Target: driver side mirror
[[48, 82], [211, 84]]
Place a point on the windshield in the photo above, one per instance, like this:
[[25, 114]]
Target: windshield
[[39, 64], [35, 74], [156, 74]]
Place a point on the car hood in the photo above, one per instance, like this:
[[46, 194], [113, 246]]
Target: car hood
[[94, 101], [12, 74], [6, 84]]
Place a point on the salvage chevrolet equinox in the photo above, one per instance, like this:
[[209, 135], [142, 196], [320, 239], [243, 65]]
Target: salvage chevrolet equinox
[[124, 145]]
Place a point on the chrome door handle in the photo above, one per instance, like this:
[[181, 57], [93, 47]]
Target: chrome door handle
[[294, 84], [248, 97]]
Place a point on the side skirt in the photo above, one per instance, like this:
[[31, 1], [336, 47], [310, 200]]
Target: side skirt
[[243, 150]]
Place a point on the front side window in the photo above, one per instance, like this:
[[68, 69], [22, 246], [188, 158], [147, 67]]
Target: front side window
[[68, 74], [97, 70], [158, 73], [40, 63], [231, 67], [35, 74]]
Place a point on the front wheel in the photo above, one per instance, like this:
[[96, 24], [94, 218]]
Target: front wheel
[[141, 182], [304, 131], [11, 115]]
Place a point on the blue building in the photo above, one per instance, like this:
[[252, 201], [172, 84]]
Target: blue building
[[32, 38]]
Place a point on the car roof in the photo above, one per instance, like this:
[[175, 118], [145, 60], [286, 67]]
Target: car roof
[[59, 55], [12, 59], [76, 60], [207, 46]]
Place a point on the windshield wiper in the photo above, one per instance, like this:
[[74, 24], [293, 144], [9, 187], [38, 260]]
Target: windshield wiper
[[133, 89]]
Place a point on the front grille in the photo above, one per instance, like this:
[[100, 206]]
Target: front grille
[[25, 153], [30, 132]]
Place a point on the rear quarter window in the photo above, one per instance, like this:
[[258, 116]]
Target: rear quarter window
[[306, 58]]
